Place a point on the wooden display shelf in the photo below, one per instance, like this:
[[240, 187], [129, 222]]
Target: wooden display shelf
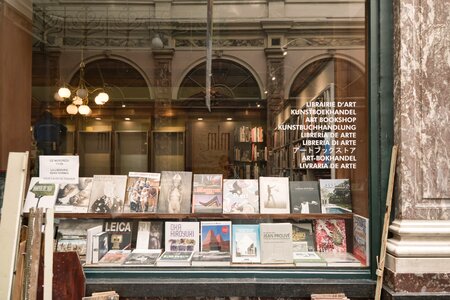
[[157, 216]]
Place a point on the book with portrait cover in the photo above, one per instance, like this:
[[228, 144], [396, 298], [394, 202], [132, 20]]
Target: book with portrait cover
[[303, 237], [335, 196], [142, 257], [304, 197], [74, 197], [361, 239], [175, 195], [182, 236], [216, 236], [240, 196], [40, 195], [246, 244], [108, 194], [149, 235], [207, 193], [276, 243], [142, 192], [274, 195], [330, 235]]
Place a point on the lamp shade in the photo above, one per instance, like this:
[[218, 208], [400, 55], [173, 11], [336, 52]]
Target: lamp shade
[[58, 98], [84, 110], [82, 93], [77, 100], [101, 98], [72, 109], [157, 43], [64, 92]]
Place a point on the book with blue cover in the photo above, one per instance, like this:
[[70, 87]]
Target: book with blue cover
[[246, 244]]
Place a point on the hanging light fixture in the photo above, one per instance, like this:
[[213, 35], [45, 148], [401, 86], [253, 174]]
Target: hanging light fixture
[[79, 96]]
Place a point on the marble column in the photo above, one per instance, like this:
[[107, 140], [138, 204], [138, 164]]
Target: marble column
[[418, 258], [15, 77]]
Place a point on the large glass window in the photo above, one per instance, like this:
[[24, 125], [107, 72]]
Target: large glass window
[[262, 122]]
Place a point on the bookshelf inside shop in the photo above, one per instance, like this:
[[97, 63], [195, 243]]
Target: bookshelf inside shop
[[250, 152]]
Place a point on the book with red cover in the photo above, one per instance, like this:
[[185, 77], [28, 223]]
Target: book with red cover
[[330, 235]]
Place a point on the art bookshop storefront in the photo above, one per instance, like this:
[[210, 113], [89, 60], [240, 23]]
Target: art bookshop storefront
[[231, 148]]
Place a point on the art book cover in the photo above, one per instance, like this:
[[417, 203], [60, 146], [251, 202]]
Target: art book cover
[[246, 244], [40, 195], [142, 257], [108, 194], [330, 235], [216, 236], [119, 234], [276, 243], [149, 235], [207, 193], [304, 197], [175, 258], [274, 195], [308, 259], [211, 258], [335, 196], [175, 196], [99, 246], [142, 192], [182, 236], [303, 237], [114, 257], [240, 196], [361, 239], [90, 242], [74, 197]]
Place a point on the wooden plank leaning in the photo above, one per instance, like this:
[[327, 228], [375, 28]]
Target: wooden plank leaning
[[387, 216]]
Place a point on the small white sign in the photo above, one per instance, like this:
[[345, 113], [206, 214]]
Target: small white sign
[[59, 168]]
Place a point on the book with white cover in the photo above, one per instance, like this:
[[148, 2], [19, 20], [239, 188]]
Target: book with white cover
[[308, 259], [89, 241], [274, 195], [175, 195], [240, 196], [246, 244], [343, 259], [108, 194], [40, 195], [149, 235], [182, 236], [74, 197], [276, 243]]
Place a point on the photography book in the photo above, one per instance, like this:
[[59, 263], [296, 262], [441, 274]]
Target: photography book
[[274, 195], [119, 234], [99, 246], [335, 196], [142, 257], [175, 195], [330, 235], [246, 244], [149, 235], [304, 197], [40, 195], [276, 243], [240, 196], [142, 192], [74, 197], [302, 237], [207, 193], [175, 259], [216, 236], [182, 236], [90, 243], [108, 194]]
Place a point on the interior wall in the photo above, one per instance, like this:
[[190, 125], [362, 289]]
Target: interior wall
[[15, 82]]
